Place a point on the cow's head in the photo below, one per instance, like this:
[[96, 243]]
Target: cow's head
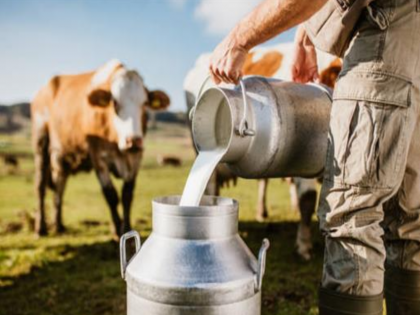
[[122, 91]]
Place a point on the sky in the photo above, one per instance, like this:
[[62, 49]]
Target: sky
[[161, 39]]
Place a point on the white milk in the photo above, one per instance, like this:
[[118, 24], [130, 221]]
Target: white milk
[[216, 139], [200, 174]]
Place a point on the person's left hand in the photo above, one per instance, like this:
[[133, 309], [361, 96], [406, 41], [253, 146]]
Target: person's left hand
[[227, 61], [305, 64]]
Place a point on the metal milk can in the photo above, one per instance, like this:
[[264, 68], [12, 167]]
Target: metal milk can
[[193, 263], [267, 127]]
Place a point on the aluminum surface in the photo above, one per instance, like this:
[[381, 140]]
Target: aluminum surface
[[290, 123], [140, 306], [194, 262]]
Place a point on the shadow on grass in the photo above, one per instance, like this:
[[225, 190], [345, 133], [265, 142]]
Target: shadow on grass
[[290, 283], [89, 282]]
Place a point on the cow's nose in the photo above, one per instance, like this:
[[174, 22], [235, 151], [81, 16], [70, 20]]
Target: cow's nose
[[135, 143]]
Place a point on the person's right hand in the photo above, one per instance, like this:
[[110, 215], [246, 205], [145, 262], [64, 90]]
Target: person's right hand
[[304, 64], [227, 61]]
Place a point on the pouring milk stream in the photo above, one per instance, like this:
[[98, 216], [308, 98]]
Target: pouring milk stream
[[200, 174], [207, 160]]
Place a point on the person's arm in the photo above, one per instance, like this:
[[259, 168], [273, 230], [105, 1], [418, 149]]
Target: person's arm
[[266, 21]]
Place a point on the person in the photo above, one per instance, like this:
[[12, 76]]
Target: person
[[369, 208]]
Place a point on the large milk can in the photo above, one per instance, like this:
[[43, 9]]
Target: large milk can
[[267, 127], [193, 263]]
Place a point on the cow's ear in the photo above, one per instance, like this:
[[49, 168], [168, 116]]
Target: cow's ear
[[158, 100], [100, 97]]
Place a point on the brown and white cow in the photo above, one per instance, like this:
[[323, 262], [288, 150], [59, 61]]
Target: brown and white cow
[[275, 62], [91, 120]]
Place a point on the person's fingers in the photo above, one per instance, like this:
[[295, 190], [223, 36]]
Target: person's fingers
[[316, 77], [313, 74], [228, 71], [222, 75], [307, 75], [215, 79], [297, 79], [295, 74], [229, 74], [217, 73], [213, 75], [237, 78], [300, 77], [211, 72], [309, 78], [232, 75]]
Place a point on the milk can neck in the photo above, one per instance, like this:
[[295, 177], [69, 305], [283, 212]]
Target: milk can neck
[[215, 218]]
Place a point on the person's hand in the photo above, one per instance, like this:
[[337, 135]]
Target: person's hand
[[304, 64], [227, 61]]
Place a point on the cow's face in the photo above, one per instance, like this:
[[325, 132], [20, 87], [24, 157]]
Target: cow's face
[[123, 91], [129, 98]]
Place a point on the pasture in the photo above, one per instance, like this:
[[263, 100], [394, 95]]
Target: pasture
[[78, 272]]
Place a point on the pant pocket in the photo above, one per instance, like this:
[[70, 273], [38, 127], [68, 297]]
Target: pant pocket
[[375, 145], [368, 131]]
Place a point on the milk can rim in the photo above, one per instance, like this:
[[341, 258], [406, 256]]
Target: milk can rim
[[223, 91], [223, 206]]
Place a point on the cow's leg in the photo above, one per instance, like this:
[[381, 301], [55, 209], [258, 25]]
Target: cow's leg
[[262, 212], [60, 180], [307, 204], [41, 179], [111, 196], [294, 199], [127, 198]]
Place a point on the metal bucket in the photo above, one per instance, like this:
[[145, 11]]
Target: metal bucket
[[267, 127], [194, 262]]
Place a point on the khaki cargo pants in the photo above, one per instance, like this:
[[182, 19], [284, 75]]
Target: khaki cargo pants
[[370, 201]]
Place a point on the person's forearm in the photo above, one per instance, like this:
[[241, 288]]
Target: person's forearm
[[271, 18]]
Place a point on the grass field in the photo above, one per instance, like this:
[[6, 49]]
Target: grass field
[[78, 272]]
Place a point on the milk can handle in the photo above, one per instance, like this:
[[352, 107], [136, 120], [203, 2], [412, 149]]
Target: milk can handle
[[243, 129], [243, 125], [200, 91], [123, 254], [262, 258]]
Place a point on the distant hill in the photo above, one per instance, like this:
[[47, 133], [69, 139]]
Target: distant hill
[[172, 117], [20, 109], [16, 117]]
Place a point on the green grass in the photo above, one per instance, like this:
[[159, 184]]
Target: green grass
[[78, 272]]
